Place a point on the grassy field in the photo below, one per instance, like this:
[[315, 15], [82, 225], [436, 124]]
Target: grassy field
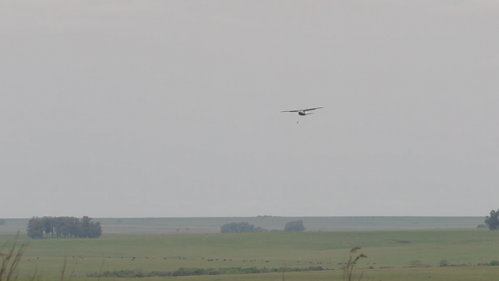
[[418, 274], [212, 225], [389, 253]]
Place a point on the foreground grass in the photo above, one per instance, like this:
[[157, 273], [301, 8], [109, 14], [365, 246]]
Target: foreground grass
[[413, 274], [395, 249]]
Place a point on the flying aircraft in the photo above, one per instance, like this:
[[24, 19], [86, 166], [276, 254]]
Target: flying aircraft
[[303, 112]]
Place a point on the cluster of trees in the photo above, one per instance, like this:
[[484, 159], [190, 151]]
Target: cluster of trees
[[241, 227], [50, 227], [292, 226], [492, 221]]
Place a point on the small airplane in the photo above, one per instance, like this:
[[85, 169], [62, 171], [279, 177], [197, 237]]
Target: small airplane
[[303, 112]]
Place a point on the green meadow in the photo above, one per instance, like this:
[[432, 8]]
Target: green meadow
[[390, 252]]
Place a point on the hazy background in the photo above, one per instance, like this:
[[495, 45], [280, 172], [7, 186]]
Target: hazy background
[[171, 108]]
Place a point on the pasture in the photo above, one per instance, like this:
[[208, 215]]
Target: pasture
[[389, 253]]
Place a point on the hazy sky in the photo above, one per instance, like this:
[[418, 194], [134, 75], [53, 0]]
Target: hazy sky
[[172, 108]]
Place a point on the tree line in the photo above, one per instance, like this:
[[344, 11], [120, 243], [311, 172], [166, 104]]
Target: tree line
[[63, 227], [233, 227]]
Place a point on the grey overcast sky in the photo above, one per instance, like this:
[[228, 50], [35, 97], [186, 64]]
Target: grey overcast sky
[[172, 108]]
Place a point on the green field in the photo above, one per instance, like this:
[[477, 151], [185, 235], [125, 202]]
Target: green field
[[389, 252], [384, 249]]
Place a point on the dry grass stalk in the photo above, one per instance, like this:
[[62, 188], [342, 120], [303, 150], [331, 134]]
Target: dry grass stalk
[[349, 271], [64, 264], [11, 255]]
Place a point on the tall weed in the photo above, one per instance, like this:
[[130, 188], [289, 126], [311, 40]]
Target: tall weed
[[350, 269], [11, 253]]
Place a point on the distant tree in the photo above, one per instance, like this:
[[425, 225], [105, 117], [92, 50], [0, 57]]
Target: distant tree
[[90, 229], [58, 226], [35, 228], [294, 226], [95, 230], [240, 227], [2, 221], [85, 226], [492, 221], [48, 225], [64, 226], [73, 226]]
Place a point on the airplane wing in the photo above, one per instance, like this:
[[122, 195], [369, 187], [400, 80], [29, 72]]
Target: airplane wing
[[297, 110], [313, 108]]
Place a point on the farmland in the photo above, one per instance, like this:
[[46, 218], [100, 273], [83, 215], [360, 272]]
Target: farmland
[[390, 253]]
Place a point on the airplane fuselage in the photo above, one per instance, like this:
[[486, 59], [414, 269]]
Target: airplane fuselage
[[303, 112]]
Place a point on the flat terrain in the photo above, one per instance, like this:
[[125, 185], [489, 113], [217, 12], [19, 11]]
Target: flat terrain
[[212, 225], [440, 274], [389, 253], [167, 244]]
